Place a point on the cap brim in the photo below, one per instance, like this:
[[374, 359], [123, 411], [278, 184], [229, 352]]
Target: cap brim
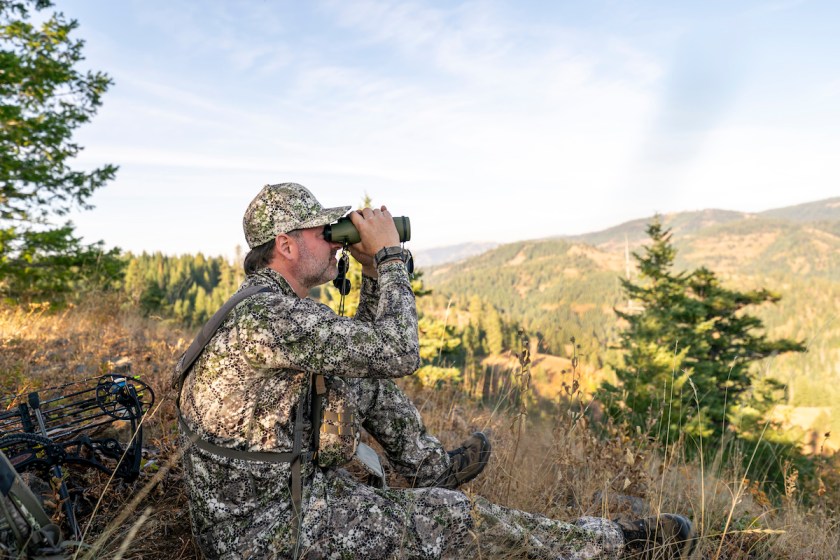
[[324, 217]]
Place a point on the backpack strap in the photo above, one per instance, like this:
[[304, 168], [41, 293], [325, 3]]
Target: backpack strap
[[319, 389], [203, 337]]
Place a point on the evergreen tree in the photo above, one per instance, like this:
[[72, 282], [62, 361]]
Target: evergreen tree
[[478, 334], [688, 352], [438, 340], [494, 335], [44, 97], [471, 346]]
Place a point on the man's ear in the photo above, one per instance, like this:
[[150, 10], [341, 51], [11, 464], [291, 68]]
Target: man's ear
[[285, 247]]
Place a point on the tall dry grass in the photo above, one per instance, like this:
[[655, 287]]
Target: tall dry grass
[[43, 347], [554, 464]]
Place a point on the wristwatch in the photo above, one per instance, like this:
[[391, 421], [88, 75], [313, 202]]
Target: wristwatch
[[392, 253]]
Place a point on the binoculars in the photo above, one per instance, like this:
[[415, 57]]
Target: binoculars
[[343, 231]]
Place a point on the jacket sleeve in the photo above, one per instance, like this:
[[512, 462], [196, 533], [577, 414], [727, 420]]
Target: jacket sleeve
[[279, 332], [368, 299]]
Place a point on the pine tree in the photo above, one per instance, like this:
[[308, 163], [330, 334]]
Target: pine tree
[[688, 353], [476, 311], [470, 345], [44, 97], [494, 332], [438, 340]]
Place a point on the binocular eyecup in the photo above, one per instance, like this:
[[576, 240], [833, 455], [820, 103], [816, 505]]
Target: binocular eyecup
[[343, 231]]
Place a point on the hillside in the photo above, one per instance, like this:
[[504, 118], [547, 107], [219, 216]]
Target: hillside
[[822, 210], [563, 287], [633, 232], [823, 214], [556, 288]]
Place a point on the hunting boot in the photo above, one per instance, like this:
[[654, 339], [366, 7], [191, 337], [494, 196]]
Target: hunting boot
[[467, 462], [658, 538]]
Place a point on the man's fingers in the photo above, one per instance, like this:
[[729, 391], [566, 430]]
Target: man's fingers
[[370, 213], [356, 217], [376, 228]]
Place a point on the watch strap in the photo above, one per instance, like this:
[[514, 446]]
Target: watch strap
[[391, 253]]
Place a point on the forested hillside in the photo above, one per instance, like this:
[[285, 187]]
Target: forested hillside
[[189, 288], [555, 288], [564, 287]]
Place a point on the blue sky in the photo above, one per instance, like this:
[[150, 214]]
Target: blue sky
[[482, 121]]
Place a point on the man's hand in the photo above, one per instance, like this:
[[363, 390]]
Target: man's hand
[[377, 230]]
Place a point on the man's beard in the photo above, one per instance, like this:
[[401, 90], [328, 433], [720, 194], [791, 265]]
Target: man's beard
[[312, 272]]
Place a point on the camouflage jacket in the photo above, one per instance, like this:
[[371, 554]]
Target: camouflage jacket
[[244, 390]]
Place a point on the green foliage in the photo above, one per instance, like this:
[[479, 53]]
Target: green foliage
[[493, 332], [688, 352], [766, 447], [438, 377], [439, 341], [50, 264], [189, 288], [481, 331], [44, 97]]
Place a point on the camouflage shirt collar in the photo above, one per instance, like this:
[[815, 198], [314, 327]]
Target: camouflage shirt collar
[[270, 277]]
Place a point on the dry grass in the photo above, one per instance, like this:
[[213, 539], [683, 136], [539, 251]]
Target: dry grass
[[556, 465], [41, 348]]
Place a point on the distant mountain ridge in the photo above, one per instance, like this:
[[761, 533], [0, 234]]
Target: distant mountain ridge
[[451, 253], [821, 210], [680, 223], [683, 223], [632, 232]]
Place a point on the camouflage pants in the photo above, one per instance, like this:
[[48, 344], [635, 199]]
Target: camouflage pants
[[392, 419], [347, 519]]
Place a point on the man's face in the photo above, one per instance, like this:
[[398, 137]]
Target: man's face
[[316, 257]]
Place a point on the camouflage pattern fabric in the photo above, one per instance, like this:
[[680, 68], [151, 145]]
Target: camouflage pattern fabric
[[243, 393], [502, 532], [282, 208]]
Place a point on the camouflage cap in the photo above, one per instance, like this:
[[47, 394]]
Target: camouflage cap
[[282, 208]]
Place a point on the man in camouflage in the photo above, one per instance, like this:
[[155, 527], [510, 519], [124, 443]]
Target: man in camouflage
[[252, 388]]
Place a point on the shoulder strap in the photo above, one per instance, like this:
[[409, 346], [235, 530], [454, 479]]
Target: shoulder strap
[[206, 333]]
